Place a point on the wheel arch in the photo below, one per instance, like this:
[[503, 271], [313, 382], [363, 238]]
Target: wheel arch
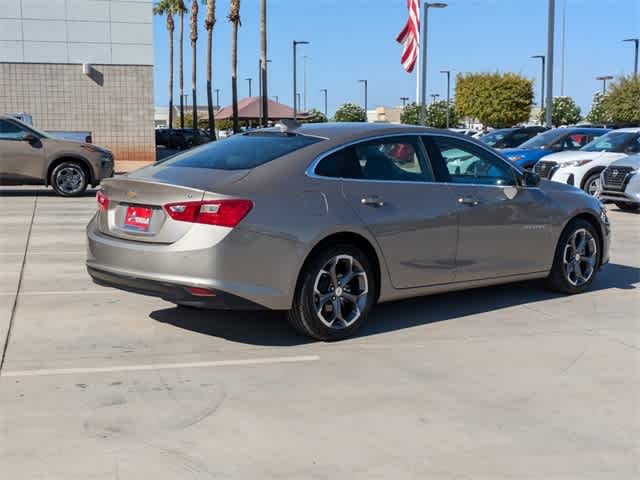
[[86, 166], [591, 218], [353, 238]]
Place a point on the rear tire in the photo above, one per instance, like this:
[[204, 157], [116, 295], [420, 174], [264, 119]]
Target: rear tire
[[69, 179], [628, 207], [336, 290], [577, 258]]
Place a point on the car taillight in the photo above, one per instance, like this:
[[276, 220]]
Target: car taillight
[[224, 213], [103, 201]]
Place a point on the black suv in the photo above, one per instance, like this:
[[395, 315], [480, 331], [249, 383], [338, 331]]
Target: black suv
[[511, 137]]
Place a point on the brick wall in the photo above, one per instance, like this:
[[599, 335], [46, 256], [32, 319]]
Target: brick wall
[[115, 103]]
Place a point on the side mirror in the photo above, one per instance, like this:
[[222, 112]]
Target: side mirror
[[530, 179], [29, 137]]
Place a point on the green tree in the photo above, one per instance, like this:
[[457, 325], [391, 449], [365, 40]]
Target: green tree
[[564, 111], [313, 116], [495, 99], [350, 112], [598, 114], [410, 114], [168, 8], [622, 102], [436, 115]]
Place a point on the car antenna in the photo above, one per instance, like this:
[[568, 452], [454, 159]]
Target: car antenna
[[288, 125]]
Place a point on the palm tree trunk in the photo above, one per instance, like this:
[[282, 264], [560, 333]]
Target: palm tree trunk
[[181, 69], [263, 63], [170, 80], [234, 75], [210, 21], [194, 40]]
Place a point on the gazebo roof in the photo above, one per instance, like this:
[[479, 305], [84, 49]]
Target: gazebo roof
[[249, 109]]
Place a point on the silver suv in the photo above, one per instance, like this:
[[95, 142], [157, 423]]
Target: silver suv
[[620, 183], [29, 156]]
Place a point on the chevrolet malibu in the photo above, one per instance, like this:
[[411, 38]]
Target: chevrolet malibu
[[326, 220]]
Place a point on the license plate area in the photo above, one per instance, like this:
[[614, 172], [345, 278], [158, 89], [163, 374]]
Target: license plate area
[[137, 218]]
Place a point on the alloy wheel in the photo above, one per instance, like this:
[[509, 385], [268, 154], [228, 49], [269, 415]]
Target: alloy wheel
[[579, 257], [593, 186], [70, 179], [340, 292]]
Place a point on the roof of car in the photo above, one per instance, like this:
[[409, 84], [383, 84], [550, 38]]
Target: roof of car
[[628, 129], [344, 130]]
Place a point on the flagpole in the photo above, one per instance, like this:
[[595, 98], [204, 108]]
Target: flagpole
[[423, 64]]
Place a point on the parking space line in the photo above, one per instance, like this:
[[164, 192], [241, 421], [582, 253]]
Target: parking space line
[[59, 292], [160, 366]]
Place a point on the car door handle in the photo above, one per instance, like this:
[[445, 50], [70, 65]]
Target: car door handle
[[468, 201], [372, 200]]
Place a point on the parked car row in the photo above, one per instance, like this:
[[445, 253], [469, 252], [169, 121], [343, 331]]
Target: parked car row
[[180, 138]]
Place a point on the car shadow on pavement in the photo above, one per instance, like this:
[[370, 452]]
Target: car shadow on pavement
[[40, 192], [270, 328]]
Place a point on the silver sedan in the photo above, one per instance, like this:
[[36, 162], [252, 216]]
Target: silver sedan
[[326, 220]]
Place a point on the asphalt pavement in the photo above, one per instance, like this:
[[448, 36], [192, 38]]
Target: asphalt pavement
[[511, 382]]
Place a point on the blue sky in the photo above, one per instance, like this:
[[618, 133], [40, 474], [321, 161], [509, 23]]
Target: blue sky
[[354, 39]]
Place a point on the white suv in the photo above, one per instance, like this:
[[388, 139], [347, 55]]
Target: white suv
[[583, 167], [621, 183]]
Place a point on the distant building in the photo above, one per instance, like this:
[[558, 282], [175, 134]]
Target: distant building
[[79, 65], [384, 115]]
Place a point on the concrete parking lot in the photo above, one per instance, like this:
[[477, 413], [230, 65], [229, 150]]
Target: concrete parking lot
[[511, 382]]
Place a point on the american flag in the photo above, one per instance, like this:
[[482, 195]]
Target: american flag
[[410, 36]]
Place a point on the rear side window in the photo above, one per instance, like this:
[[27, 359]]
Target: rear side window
[[241, 152]]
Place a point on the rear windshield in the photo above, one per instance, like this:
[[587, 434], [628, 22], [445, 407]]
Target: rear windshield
[[241, 152]]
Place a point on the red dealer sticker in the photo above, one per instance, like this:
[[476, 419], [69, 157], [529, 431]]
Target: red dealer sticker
[[138, 218]]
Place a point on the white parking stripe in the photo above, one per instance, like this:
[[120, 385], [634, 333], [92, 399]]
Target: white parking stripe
[[59, 292], [160, 366]]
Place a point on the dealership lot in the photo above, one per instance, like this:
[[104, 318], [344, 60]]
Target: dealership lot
[[506, 382]]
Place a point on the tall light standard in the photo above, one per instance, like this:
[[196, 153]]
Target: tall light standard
[[218, 98], [298, 99], [304, 82], [636, 41], [434, 96], [423, 73], [276, 97], [541, 57], [604, 79], [365, 83], [404, 101], [324, 92], [249, 80], [295, 86], [551, 18], [448, 74]]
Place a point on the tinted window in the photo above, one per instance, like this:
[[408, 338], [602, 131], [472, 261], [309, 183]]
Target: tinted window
[[469, 164], [517, 139], [612, 142], [394, 159], [493, 138], [332, 165], [10, 131], [241, 152]]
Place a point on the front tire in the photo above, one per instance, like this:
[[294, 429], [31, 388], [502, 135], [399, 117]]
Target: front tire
[[69, 179], [592, 184], [628, 207], [336, 290], [577, 258]]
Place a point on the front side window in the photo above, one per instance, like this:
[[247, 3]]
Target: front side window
[[393, 159], [10, 131], [467, 163]]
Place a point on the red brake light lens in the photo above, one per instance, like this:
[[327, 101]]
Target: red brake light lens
[[224, 213], [103, 201]]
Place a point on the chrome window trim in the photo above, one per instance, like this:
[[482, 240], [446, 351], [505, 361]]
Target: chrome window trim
[[310, 171]]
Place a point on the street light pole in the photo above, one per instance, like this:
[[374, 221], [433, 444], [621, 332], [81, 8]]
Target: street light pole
[[604, 79], [434, 96], [550, 33], [364, 82], [324, 91], [298, 99], [276, 97], [448, 74], [541, 57], [304, 82], [218, 98], [249, 80], [295, 80], [404, 101], [636, 41], [423, 73]]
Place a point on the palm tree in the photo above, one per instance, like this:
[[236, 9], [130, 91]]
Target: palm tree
[[194, 39], [167, 7], [263, 63], [181, 10], [209, 22], [234, 18]]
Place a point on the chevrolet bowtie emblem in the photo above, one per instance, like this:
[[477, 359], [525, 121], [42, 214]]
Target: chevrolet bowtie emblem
[[131, 194]]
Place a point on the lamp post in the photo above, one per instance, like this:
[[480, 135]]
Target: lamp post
[[434, 96], [249, 80], [298, 99], [448, 74], [423, 73], [636, 41], [365, 83], [541, 57], [276, 97], [324, 91], [218, 98], [304, 82], [295, 86], [404, 101], [604, 79], [551, 18]]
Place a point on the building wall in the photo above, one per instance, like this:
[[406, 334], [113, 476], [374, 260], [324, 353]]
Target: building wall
[[43, 44]]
